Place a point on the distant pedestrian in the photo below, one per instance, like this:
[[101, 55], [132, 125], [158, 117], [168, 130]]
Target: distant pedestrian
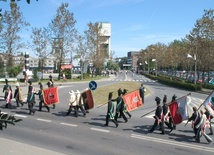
[[142, 91]]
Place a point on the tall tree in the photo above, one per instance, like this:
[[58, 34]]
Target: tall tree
[[63, 31], [13, 23], [40, 44], [97, 52]]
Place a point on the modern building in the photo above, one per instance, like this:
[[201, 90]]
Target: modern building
[[105, 35], [133, 57]]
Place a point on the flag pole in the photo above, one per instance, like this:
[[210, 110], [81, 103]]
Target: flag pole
[[167, 104], [205, 100], [101, 105]]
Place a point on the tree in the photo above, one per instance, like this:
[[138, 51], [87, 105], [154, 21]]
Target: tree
[[64, 32], [13, 22], [97, 52], [40, 41], [12, 1], [7, 119]]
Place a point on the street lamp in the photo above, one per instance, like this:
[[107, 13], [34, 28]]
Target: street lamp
[[156, 65], [194, 58]]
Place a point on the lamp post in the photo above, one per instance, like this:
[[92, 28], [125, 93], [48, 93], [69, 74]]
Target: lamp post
[[195, 65]]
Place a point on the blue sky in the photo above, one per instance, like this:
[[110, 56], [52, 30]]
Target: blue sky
[[135, 24]]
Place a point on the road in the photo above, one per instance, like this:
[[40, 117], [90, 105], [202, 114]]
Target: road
[[87, 135]]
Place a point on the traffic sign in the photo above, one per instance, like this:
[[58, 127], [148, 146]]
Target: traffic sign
[[39, 75], [92, 85]]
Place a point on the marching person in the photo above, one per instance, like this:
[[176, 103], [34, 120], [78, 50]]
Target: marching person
[[203, 124], [157, 117], [110, 111], [209, 117], [120, 106], [72, 104], [31, 98], [195, 118], [51, 84], [5, 89], [41, 99], [18, 95], [80, 103], [166, 114], [142, 91], [170, 117], [9, 97], [124, 105]]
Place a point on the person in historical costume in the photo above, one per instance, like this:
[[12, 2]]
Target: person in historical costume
[[80, 103], [209, 117], [7, 85], [124, 105], [31, 98], [201, 130], [18, 95], [41, 99], [51, 84], [8, 99], [166, 114], [72, 103], [119, 108], [196, 119], [110, 111], [157, 117]]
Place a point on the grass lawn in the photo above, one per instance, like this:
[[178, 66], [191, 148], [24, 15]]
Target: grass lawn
[[100, 95]]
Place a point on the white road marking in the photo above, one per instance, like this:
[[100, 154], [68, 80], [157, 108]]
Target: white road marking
[[101, 130], [163, 141], [67, 124], [44, 120], [23, 116]]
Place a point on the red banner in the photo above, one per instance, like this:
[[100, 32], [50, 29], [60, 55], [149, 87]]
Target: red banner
[[50, 95], [132, 100], [88, 99]]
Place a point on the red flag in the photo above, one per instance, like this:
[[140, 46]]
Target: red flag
[[50, 95], [88, 99], [209, 103], [132, 100], [178, 110]]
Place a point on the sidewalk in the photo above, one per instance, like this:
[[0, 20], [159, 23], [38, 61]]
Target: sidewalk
[[9, 147]]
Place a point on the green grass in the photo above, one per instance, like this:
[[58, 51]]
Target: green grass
[[100, 95]]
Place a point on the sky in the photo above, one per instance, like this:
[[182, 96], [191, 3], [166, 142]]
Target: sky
[[135, 24]]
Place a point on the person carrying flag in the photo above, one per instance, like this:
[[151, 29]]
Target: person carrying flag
[[120, 105], [157, 117], [166, 114], [41, 99], [195, 118], [209, 117]]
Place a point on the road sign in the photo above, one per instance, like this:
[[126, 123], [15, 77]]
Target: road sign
[[92, 85], [39, 75]]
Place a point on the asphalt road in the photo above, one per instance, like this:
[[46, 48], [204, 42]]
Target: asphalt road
[[86, 135]]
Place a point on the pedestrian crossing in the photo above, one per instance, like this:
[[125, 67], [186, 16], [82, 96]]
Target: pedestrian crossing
[[136, 80]]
